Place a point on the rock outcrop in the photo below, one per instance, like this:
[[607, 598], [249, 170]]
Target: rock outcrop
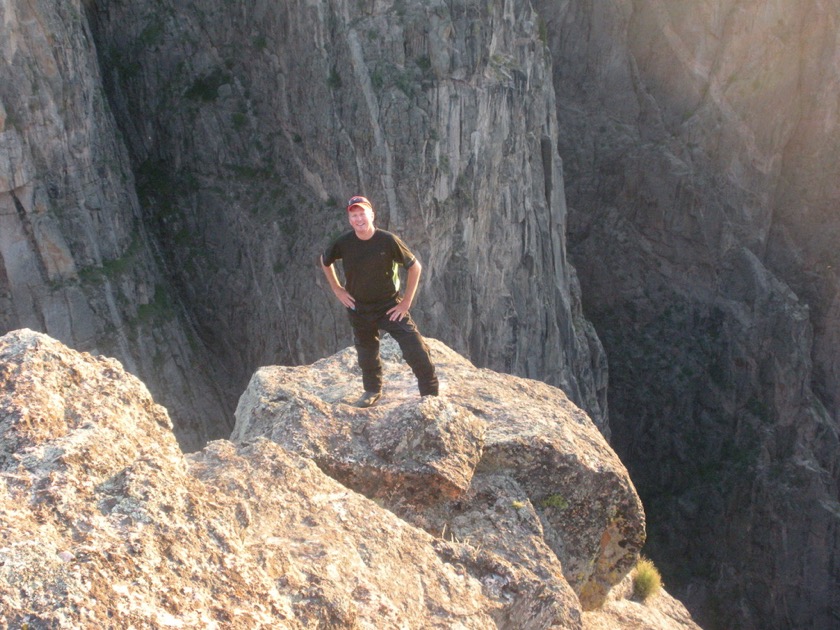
[[699, 149], [623, 610], [527, 443], [104, 521]]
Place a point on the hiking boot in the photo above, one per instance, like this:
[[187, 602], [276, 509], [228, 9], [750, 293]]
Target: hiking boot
[[368, 399]]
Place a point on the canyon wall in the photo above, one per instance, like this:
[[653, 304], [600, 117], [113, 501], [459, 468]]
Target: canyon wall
[[249, 128], [170, 171], [699, 143], [76, 260]]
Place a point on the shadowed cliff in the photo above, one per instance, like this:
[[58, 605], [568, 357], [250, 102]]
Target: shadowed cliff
[[699, 150], [76, 258]]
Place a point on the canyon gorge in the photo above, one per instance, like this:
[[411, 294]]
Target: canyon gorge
[[634, 201]]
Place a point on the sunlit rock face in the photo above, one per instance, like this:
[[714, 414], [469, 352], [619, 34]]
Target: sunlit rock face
[[105, 522], [699, 142], [506, 439], [76, 260]]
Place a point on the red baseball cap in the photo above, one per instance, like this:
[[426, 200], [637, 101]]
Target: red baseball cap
[[362, 202]]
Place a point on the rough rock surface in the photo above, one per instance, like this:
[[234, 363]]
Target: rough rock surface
[[531, 455], [104, 522], [427, 450], [623, 610], [76, 261], [249, 126], [699, 145]]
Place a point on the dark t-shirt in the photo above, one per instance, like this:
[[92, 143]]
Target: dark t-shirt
[[370, 267]]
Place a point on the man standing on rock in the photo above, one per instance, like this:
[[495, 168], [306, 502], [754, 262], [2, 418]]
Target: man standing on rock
[[372, 297]]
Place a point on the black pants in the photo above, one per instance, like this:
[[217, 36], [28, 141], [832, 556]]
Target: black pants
[[366, 327]]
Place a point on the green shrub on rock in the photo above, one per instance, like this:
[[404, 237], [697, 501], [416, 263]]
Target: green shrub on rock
[[646, 580]]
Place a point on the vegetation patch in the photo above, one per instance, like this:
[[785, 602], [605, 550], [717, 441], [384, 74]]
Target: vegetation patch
[[760, 410], [409, 79], [555, 501], [111, 269], [646, 580], [238, 119], [424, 63], [157, 191], [542, 29], [206, 88], [251, 172], [334, 80], [127, 67], [160, 308], [377, 79], [260, 42], [152, 34], [11, 121]]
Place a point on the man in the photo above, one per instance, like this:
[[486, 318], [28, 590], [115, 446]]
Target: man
[[372, 297]]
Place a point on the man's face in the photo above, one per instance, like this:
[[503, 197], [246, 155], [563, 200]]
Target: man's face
[[361, 219]]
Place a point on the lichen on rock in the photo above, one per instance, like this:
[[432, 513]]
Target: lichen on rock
[[424, 457], [415, 513]]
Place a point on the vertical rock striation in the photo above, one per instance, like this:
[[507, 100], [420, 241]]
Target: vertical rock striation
[[249, 126], [75, 258], [698, 142]]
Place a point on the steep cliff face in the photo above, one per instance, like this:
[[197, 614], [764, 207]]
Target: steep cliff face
[[250, 126], [699, 143], [75, 259]]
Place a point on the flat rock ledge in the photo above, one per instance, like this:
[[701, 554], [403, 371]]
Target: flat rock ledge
[[431, 460], [424, 449]]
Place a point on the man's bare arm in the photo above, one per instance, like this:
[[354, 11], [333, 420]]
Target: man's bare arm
[[411, 283], [340, 292]]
